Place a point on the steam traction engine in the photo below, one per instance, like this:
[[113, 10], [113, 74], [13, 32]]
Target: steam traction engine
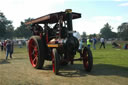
[[57, 43]]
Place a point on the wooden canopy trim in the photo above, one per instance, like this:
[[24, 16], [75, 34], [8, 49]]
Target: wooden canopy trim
[[52, 18], [38, 20]]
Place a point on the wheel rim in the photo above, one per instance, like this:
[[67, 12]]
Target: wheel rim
[[85, 59], [53, 62], [33, 52]]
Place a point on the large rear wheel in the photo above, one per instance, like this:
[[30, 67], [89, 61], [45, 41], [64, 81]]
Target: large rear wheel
[[87, 59], [55, 61], [36, 51]]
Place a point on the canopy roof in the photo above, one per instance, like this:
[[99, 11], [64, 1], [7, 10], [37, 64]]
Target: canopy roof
[[52, 18]]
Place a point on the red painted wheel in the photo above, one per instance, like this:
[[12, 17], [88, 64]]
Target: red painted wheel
[[36, 52], [87, 59], [55, 61]]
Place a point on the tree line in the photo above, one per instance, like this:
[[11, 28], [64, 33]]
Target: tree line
[[107, 33], [7, 30]]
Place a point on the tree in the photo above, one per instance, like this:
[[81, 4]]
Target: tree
[[2, 25], [5, 26], [114, 35], [9, 32], [106, 32], [22, 30], [94, 35], [123, 31]]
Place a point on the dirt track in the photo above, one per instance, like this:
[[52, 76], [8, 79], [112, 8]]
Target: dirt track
[[18, 71]]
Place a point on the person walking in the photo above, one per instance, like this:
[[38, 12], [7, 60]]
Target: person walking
[[8, 48], [94, 43], [20, 43], [102, 40], [11, 49], [4, 44]]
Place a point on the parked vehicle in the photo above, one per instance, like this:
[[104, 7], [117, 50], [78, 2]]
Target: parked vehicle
[[56, 43]]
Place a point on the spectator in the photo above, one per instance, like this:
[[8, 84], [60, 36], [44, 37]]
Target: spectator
[[5, 41], [20, 44], [11, 49], [94, 43], [102, 42], [8, 48], [126, 46], [88, 43]]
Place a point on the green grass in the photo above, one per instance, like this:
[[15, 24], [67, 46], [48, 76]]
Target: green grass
[[110, 61], [113, 56], [109, 55]]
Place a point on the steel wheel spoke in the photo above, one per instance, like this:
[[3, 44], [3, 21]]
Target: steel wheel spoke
[[34, 60], [32, 46], [85, 59]]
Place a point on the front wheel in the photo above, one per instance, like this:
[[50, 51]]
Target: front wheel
[[87, 59], [55, 61]]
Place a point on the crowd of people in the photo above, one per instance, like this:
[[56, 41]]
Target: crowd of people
[[89, 41], [8, 47], [93, 41]]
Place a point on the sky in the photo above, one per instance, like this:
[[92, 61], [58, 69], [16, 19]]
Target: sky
[[95, 13]]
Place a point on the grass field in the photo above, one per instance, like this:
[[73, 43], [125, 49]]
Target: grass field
[[110, 68]]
